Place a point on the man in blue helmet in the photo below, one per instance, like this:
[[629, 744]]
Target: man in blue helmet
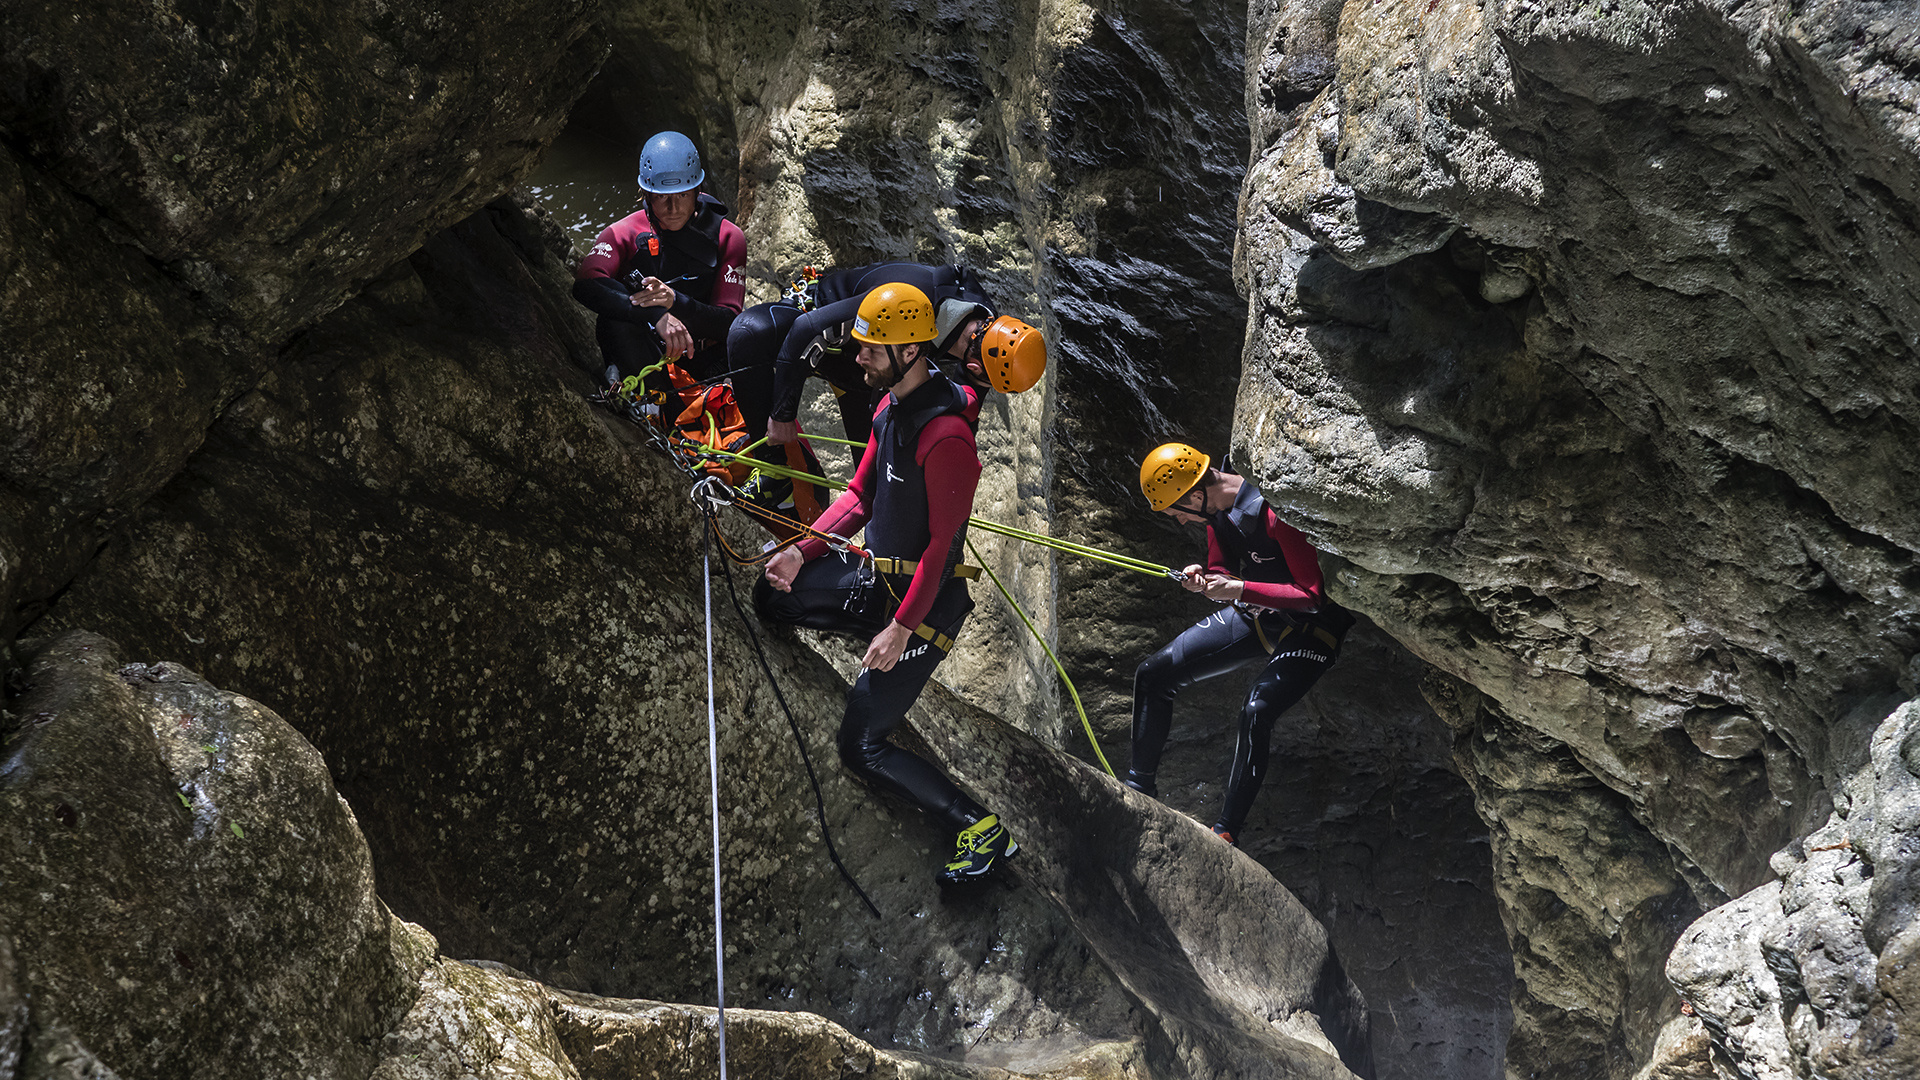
[[666, 280]]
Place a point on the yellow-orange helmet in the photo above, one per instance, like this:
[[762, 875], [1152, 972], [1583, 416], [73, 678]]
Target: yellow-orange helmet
[[894, 315], [1169, 472], [1013, 353]]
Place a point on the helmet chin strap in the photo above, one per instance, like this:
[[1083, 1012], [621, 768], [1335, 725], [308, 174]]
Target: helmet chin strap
[[894, 368]]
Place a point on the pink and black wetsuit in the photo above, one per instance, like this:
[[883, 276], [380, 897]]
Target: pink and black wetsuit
[[913, 491], [1284, 615], [702, 262]]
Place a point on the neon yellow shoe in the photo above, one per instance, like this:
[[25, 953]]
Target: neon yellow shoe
[[978, 848]]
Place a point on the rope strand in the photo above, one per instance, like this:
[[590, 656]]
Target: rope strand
[[819, 800], [713, 776]]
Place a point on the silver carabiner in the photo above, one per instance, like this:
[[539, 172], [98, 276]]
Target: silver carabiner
[[714, 490]]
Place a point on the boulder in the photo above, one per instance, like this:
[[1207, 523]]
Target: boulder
[[1808, 975], [185, 892]]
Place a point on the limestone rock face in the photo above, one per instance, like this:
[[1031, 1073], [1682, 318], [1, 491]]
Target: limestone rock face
[[178, 872], [1808, 975], [1584, 337], [201, 947], [183, 189]]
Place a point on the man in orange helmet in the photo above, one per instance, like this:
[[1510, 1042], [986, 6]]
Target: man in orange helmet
[[775, 347], [1280, 615], [913, 491]]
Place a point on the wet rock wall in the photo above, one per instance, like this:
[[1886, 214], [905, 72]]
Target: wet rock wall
[[186, 186], [1583, 337]]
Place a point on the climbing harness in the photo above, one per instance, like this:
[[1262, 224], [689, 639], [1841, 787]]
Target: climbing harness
[[713, 789], [803, 291]]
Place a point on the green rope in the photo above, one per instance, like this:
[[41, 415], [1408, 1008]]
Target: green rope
[[1126, 562], [769, 467], [1085, 724]]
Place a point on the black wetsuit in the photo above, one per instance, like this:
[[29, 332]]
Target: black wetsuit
[[702, 262], [771, 340], [909, 513], [1298, 642]]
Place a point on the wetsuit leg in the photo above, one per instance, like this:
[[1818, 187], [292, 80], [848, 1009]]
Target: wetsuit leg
[[876, 705], [834, 593], [1286, 678], [752, 343], [1213, 646], [856, 414], [627, 346]]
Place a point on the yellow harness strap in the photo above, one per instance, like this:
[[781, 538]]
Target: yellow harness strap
[[940, 640], [1274, 645], [886, 564]]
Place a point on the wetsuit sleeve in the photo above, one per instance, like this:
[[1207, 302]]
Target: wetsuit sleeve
[[849, 512], [1216, 557], [952, 468], [1306, 591], [789, 369], [597, 284], [709, 321]]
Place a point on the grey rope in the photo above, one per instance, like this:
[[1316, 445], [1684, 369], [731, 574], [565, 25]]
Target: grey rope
[[713, 776]]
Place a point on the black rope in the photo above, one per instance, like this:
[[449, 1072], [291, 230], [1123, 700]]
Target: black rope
[[819, 800]]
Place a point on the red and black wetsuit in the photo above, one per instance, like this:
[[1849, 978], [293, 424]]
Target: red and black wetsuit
[[702, 262], [913, 492], [1284, 615], [770, 341]]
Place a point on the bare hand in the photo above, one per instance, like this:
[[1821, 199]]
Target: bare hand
[[674, 333], [1222, 587], [782, 567], [653, 293], [886, 647], [782, 432], [1191, 579]]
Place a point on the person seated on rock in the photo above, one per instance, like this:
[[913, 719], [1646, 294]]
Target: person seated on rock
[[913, 491], [775, 347], [1280, 616], [666, 280]]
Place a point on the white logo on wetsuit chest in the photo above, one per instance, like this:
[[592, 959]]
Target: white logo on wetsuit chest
[[892, 477], [1256, 557]]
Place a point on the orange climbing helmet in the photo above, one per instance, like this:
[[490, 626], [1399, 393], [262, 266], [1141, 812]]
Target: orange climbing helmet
[[894, 315], [1169, 472], [1013, 353]]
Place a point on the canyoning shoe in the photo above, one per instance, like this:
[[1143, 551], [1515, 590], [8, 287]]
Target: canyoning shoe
[[767, 492], [1142, 783], [1221, 832], [979, 848]]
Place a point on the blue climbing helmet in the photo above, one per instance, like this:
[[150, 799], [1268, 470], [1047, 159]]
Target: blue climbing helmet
[[669, 164]]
